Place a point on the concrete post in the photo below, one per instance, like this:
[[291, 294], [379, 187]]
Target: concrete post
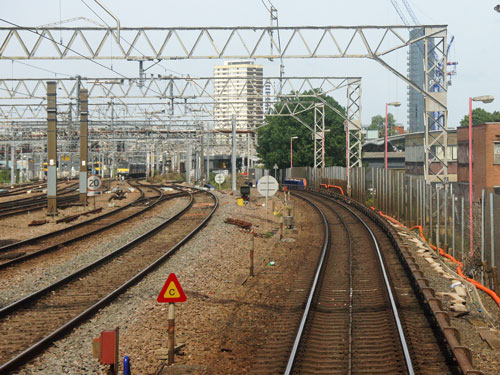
[[188, 164], [6, 149], [178, 159], [163, 157], [84, 133], [208, 157], [202, 158], [12, 165], [51, 149]]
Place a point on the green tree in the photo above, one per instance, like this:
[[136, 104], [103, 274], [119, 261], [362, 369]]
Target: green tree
[[480, 116], [274, 138], [378, 123]]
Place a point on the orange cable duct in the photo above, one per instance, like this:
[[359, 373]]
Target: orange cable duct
[[477, 284]]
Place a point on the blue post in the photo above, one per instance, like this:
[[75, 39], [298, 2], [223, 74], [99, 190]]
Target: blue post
[[126, 365]]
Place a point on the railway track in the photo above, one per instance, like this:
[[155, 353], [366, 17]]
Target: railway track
[[34, 247], [23, 189], [66, 196], [53, 311], [364, 314]]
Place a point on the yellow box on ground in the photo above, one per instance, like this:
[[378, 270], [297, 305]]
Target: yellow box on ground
[[240, 202]]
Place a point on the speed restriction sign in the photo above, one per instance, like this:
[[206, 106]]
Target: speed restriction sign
[[94, 183]]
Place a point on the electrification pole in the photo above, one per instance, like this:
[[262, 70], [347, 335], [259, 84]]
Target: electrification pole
[[51, 149]]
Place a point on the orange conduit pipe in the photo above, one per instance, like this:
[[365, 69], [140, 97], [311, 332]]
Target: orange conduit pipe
[[477, 284], [459, 268], [338, 187]]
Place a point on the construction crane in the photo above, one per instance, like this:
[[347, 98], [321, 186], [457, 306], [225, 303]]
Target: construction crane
[[416, 21]]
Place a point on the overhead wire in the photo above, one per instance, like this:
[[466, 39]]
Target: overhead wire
[[126, 41], [37, 67], [78, 53], [74, 51], [63, 45]]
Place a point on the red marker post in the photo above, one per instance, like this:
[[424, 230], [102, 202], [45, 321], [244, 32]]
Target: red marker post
[[170, 293]]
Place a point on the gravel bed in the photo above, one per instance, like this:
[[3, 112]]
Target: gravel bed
[[36, 275], [479, 314], [224, 321], [228, 315], [16, 228]]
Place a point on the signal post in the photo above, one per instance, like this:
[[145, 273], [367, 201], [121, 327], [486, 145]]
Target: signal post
[[171, 292]]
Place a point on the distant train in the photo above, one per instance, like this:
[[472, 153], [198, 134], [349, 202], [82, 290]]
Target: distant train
[[45, 168], [295, 183], [95, 167], [132, 170]]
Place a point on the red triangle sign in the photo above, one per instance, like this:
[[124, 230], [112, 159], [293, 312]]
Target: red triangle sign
[[172, 291]]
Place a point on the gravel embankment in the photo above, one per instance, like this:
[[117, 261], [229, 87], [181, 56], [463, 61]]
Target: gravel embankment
[[223, 321], [228, 315], [39, 274]]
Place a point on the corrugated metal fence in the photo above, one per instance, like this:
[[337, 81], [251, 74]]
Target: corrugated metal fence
[[442, 214]]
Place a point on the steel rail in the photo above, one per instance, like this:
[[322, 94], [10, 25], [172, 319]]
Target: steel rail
[[56, 246], [22, 189], [37, 347], [17, 202], [67, 229], [84, 270], [394, 308], [305, 315], [399, 326], [18, 206], [439, 319]]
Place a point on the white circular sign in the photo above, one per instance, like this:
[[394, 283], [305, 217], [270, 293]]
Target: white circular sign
[[94, 182], [267, 186], [219, 178]]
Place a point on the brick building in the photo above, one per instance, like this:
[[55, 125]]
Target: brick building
[[485, 158]]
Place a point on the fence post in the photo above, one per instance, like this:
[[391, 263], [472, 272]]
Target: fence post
[[482, 233], [417, 202], [431, 237], [438, 219], [453, 224], [492, 231], [462, 225], [445, 216]]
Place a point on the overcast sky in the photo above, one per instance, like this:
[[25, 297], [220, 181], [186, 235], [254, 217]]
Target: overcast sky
[[475, 25]]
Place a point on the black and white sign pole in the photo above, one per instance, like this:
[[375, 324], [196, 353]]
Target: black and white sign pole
[[233, 154]]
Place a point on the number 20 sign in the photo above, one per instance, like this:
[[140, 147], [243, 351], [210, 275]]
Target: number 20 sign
[[94, 183]]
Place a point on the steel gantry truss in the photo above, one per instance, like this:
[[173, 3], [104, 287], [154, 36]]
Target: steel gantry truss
[[308, 42], [184, 93], [166, 87]]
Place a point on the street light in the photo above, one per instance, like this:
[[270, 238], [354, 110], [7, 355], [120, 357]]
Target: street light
[[393, 104], [485, 99], [291, 154]]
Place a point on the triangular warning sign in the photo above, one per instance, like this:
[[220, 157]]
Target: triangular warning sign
[[172, 291]]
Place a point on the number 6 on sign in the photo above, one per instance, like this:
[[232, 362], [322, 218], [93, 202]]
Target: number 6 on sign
[[172, 291]]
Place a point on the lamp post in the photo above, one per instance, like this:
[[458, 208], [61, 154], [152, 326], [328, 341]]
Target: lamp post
[[393, 104], [484, 99], [291, 155]]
